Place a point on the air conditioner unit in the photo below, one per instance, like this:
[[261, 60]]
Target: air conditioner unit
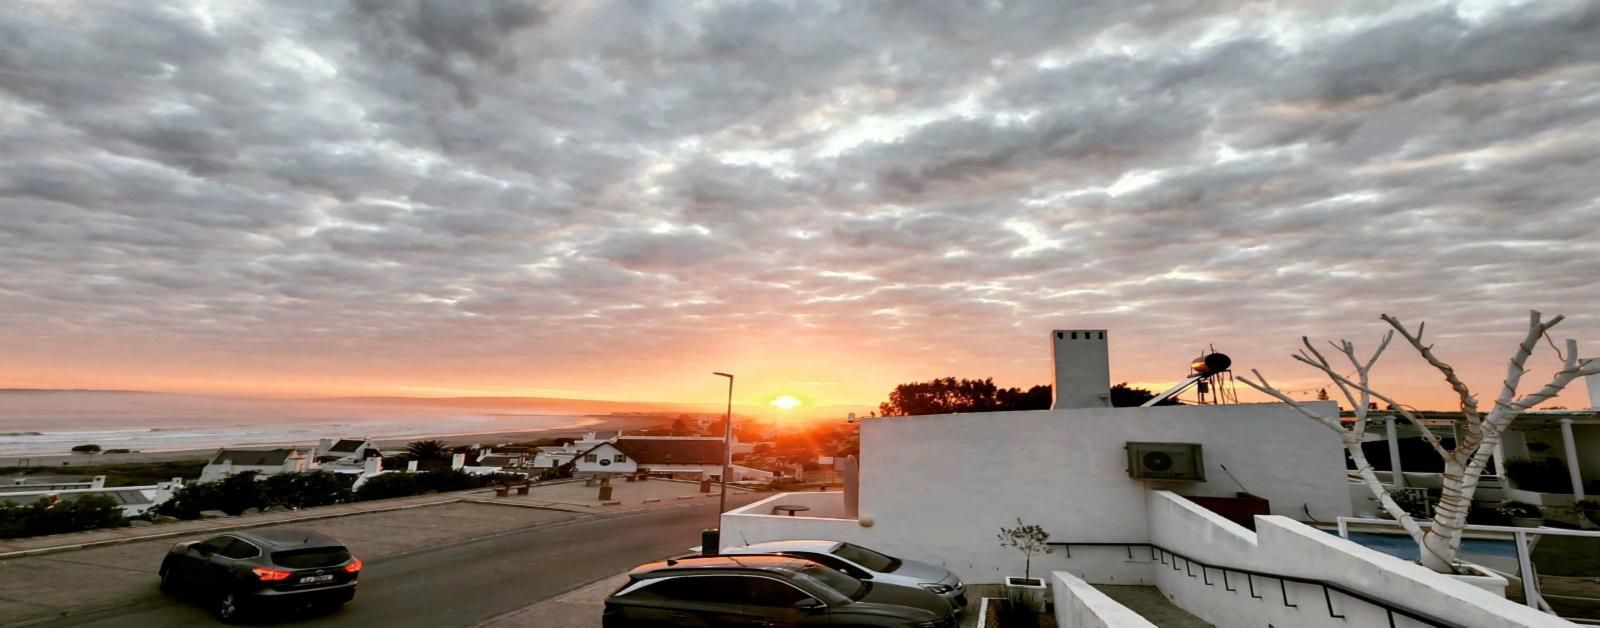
[[1165, 461]]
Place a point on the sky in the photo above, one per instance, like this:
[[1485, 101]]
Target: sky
[[611, 200]]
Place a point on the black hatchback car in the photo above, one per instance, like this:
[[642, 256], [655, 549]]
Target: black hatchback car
[[766, 591], [256, 570]]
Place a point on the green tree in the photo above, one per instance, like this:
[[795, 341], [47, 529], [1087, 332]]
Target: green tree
[[950, 395], [425, 450], [1122, 396]]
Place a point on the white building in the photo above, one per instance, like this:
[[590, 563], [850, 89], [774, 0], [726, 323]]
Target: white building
[[265, 462], [134, 500], [345, 452], [939, 488]]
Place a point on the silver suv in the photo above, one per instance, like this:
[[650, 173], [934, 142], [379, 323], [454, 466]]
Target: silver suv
[[865, 564]]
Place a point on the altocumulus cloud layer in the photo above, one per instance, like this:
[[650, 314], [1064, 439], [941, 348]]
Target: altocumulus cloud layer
[[482, 195]]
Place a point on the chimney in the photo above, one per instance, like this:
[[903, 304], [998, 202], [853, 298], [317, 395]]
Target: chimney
[[457, 461], [411, 466], [99, 481], [1594, 389], [373, 466], [1082, 368]]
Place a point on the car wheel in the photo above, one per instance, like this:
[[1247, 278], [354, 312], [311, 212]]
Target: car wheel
[[227, 608]]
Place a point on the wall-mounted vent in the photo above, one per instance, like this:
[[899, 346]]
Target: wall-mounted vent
[[1165, 461]]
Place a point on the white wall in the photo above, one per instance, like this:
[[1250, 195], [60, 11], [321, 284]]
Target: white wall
[[1284, 546], [946, 484], [1082, 360], [1080, 605], [938, 488]]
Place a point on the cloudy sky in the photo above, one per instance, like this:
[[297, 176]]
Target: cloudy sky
[[610, 200]]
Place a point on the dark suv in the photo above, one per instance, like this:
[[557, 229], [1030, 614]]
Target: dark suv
[[766, 591], [255, 570]]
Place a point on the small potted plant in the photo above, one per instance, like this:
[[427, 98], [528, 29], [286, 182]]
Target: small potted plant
[[1028, 539], [1522, 514]]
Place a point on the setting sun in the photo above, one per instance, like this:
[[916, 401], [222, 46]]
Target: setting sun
[[786, 402]]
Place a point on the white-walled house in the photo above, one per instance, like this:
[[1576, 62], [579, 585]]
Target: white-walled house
[[133, 500], [938, 489], [265, 462], [346, 452], [605, 458]]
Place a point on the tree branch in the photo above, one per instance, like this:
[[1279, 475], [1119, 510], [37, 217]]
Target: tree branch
[[1469, 403]]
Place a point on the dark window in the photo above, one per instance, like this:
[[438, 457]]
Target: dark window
[[216, 545], [590, 458], [830, 578], [873, 561], [240, 549], [311, 558], [771, 593], [621, 458], [701, 589]]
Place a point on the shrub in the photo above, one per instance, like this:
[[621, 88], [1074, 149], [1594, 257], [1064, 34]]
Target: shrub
[[304, 490], [1519, 509], [387, 486], [1415, 503], [46, 516]]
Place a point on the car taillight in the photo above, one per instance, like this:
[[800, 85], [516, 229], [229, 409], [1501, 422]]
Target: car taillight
[[354, 566], [267, 574]]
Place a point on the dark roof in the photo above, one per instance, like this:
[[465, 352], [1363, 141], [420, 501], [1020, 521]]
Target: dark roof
[[783, 564], [279, 538], [512, 450], [253, 457], [347, 445], [669, 451], [495, 461]]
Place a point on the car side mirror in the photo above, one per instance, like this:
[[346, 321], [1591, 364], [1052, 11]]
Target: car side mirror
[[809, 604]]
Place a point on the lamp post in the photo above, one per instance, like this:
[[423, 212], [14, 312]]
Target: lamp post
[[727, 448]]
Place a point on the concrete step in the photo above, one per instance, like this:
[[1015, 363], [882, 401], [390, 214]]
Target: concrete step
[[1150, 603]]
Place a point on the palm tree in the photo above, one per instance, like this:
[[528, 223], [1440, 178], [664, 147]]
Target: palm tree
[[428, 450]]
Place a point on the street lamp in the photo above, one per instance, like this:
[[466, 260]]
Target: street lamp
[[727, 447]]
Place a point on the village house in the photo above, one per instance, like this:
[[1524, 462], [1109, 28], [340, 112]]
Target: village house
[[347, 452], [133, 500], [265, 462]]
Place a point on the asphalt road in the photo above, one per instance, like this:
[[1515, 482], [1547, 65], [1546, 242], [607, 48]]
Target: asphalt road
[[462, 584]]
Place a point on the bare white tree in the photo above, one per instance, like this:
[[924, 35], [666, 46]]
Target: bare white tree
[[1464, 463]]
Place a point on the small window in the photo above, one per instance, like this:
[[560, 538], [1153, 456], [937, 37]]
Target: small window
[[591, 458], [216, 545], [620, 458], [240, 549], [1102, 336], [1074, 335]]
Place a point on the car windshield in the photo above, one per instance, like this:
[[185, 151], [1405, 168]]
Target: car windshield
[[830, 578], [873, 561]]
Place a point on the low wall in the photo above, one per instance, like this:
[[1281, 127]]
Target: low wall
[[1080, 605], [1283, 546], [755, 523]]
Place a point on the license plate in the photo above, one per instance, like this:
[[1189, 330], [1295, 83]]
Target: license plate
[[311, 579]]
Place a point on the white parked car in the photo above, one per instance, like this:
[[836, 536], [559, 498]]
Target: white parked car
[[865, 564]]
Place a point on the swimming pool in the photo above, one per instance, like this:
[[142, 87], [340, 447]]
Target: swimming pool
[[1401, 546]]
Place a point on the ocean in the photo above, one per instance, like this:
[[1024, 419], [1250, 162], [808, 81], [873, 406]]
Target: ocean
[[53, 422]]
